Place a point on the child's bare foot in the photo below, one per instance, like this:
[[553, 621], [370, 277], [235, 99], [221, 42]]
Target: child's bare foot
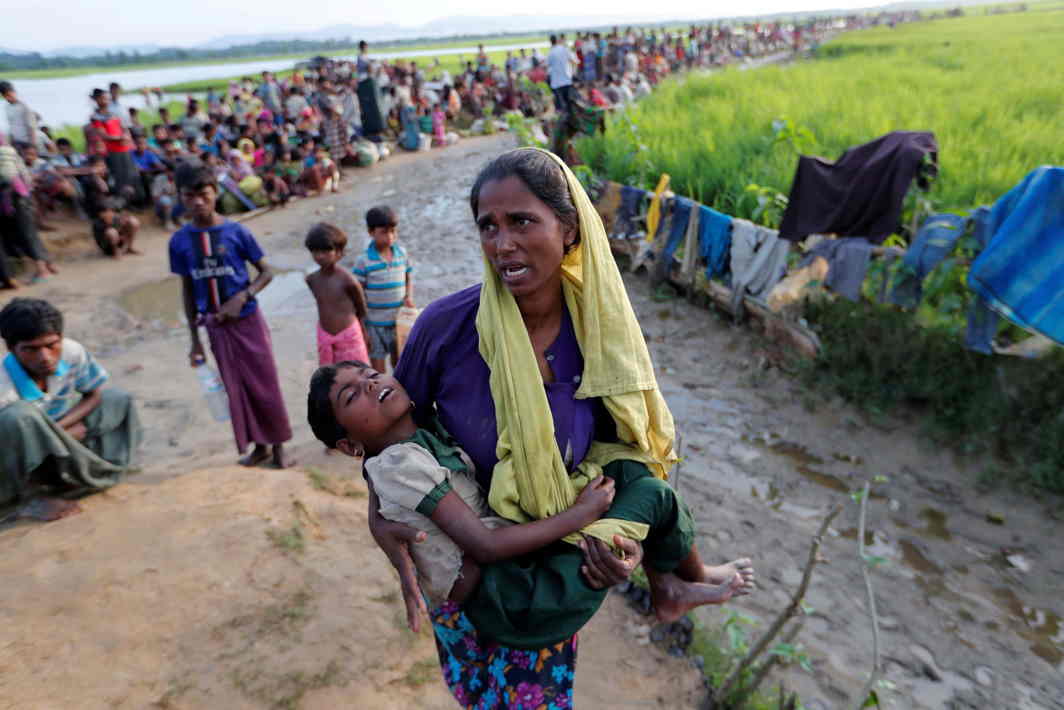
[[672, 597], [718, 574], [134, 252], [47, 509], [51, 267], [279, 458], [257, 456]]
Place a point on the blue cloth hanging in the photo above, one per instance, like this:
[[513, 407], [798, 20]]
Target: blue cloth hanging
[[714, 240], [934, 242], [631, 197], [681, 214], [1020, 273]]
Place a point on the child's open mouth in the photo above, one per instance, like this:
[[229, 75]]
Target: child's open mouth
[[385, 393]]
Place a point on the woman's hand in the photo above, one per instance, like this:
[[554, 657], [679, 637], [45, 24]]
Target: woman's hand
[[604, 569], [596, 498], [395, 539]]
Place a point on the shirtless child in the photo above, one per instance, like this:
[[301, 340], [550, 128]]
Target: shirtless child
[[341, 302]]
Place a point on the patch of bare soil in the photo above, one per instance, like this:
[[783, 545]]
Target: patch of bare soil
[[238, 588]]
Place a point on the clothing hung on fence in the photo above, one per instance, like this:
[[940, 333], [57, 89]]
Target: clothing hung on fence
[[847, 264], [714, 240], [1020, 272], [861, 193], [608, 204], [758, 261], [982, 321], [934, 242], [628, 212], [691, 249], [681, 216], [655, 211], [679, 212]]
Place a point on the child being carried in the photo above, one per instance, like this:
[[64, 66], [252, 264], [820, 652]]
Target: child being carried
[[422, 479]]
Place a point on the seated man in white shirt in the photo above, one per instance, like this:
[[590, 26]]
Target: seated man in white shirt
[[63, 434]]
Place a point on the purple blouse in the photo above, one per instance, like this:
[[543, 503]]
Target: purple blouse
[[441, 365]]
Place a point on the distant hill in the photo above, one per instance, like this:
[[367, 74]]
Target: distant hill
[[346, 31]]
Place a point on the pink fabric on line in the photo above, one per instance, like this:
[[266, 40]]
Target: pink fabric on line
[[348, 344], [244, 352]]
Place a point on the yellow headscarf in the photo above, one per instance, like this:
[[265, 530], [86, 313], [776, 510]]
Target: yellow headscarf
[[530, 480]]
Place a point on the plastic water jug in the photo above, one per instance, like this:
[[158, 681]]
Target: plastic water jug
[[213, 392], [404, 321]]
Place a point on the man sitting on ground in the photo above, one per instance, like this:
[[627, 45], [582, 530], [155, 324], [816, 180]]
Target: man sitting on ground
[[63, 434]]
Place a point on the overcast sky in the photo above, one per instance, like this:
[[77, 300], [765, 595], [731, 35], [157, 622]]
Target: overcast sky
[[27, 25]]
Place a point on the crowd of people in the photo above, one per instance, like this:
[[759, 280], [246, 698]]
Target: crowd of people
[[269, 139]]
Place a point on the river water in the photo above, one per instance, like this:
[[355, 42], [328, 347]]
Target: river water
[[66, 100]]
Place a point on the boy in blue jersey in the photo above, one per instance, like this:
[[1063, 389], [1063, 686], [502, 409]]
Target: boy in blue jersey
[[211, 254], [384, 270]]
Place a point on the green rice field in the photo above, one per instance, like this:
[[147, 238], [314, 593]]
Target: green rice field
[[991, 88]]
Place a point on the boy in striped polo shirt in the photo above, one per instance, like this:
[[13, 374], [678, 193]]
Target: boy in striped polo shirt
[[385, 273]]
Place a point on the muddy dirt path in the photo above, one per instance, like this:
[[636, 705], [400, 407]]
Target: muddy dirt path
[[961, 625]]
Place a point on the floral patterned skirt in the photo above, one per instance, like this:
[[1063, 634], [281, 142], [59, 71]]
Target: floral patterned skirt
[[484, 676]]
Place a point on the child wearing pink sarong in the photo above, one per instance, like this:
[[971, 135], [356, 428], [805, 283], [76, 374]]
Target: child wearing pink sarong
[[348, 344], [341, 301]]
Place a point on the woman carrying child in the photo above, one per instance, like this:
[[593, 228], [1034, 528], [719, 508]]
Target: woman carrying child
[[542, 379]]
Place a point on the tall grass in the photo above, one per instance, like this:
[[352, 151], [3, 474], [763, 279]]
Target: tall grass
[[992, 90], [989, 87]]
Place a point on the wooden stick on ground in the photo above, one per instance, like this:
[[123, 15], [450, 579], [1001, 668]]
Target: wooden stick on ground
[[718, 695]]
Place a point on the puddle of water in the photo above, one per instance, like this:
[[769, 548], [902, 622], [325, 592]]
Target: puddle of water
[[287, 292], [795, 452], [160, 301], [155, 301], [1039, 626], [935, 524], [798, 511], [916, 559], [823, 479]]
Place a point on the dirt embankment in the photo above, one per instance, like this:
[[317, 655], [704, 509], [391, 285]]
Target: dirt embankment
[[189, 586]]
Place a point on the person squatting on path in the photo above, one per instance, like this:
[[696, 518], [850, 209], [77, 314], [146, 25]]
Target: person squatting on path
[[385, 272], [341, 302], [62, 433], [211, 254], [543, 379]]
